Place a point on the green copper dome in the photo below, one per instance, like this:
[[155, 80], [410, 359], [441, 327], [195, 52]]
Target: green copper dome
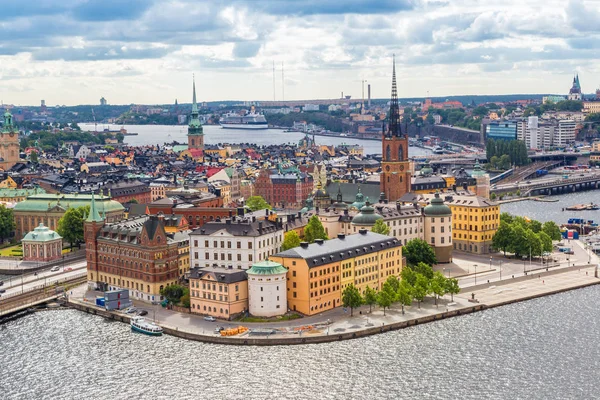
[[437, 208], [266, 268], [366, 216], [359, 200], [477, 171], [41, 234], [426, 170]]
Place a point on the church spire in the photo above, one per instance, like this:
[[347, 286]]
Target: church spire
[[194, 127], [194, 104], [94, 215], [394, 116]]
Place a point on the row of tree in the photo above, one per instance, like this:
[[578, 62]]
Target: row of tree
[[521, 236], [565, 105], [415, 284], [516, 150]]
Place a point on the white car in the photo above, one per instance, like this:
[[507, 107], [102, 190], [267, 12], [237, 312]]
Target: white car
[[55, 268], [210, 319], [131, 310]]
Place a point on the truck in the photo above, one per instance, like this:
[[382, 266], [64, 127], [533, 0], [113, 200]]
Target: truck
[[541, 172]]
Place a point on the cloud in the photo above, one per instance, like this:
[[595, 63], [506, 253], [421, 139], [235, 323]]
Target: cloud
[[246, 49], [95, 53], [318, 7], [110, 10]]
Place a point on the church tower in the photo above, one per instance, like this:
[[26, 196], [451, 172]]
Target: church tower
[[395, 168], [9, 143], [195, 132]]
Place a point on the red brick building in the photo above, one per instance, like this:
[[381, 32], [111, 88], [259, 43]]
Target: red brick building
[[283, 190], [125, 191], [196, 216]]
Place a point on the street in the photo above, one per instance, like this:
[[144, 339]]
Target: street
[[19, 283]]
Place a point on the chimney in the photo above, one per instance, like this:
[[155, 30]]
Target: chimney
[[266, 212], [319, 241], [304, 245], [299, 215], [240, 211], [341, 236], [362, 231], [260, 227]]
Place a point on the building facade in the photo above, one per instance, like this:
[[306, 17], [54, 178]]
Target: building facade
[[42, 245], [218, 292], [236, 242], [285, 190], [438, 228], [319, 272], [267, 294], [9, 143], [127, 191], [501, 130]]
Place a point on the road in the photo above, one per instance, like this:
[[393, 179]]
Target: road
[[18, 284]]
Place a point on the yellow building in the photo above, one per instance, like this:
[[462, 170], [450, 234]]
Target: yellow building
[[219, 292], [475, 220], [319, 272], [8, 183], [591, 106]]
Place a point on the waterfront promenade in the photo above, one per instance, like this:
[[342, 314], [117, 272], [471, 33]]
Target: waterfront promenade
[[338, 325]]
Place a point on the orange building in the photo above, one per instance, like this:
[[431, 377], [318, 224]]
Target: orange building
[[319, 272], [219, 292]]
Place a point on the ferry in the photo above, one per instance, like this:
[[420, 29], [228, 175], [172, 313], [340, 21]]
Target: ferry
[[139, 324], [251, 120]]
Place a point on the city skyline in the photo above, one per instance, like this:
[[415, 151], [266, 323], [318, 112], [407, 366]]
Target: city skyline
[[74, 52]]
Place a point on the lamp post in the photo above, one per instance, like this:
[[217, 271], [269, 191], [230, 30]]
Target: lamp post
[[500, 269], [524, 258], [491, 257], [475, 274]]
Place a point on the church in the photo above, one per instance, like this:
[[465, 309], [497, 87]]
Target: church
[[9, 143]]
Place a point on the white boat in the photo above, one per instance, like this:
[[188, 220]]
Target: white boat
[[248, 121], [139, 324]]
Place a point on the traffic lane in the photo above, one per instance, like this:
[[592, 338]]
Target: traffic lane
[[15, 280], [50, 280]]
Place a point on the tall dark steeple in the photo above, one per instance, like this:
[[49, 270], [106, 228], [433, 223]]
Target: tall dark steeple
[[394, 116], [195, 132]]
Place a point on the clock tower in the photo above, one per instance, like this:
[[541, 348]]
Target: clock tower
[[9, 143], [395, 173]]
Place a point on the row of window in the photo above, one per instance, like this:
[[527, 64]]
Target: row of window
[[216, 244], [210, 309], [442, 240]]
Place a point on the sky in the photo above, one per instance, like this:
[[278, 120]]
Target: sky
[[146, 51]]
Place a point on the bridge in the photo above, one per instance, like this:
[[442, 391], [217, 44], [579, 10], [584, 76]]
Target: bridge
[[564, 186]]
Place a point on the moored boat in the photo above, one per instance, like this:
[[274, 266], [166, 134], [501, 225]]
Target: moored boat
[[139, 324]]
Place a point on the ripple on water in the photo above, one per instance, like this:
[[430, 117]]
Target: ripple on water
[[540, 349]]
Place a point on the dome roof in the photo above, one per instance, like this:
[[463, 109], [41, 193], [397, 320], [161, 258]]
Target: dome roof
[[426, 170], [437, 207], [320, 193], [41, 234], [359, 200], [478, 171], [266, 268], [366, 216]]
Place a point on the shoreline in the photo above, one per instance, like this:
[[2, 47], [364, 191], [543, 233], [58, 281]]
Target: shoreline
[[488, 296]]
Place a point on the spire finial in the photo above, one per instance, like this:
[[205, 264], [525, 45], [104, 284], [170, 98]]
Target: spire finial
[[394, 123], [194, 104]]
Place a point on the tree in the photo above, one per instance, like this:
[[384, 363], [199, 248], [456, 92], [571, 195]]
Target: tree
[[173, 293], [504, 161], [370, 297], [7, 222], [535, 226], [423, 269], [70, 226], [418, 250], [33, 157], [421, 288], [314, 230], [255, 203], [518, 243], [133, 201], [394, 282], [546, 241], [381, 227], [409, 276], [506, 217], [438, 285], [290, 240], [386, 296], [552, 230], [534, 243], [351, 298], [404, 294], [185, 299], [502, 239], [452, 287]]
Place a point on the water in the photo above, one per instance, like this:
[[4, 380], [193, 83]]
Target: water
[[213, 134], [553, 211], [540, 349]]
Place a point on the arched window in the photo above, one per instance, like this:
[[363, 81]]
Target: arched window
[[388, 153], [400, 153]]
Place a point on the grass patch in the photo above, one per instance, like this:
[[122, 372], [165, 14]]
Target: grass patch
[[286, 317], [10, 251]]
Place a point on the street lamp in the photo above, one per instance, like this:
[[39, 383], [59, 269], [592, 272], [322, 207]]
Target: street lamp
[[491, 257], [500, 269], [524, 258], [475, 274]]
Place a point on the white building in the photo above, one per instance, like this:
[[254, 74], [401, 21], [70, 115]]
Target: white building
[[311, 107], [538, 134], [267, 293], [237, 242]]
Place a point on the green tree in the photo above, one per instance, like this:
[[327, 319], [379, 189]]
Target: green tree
[[290, 240], [534, 244], [386, 296], [420, 289], [452, 287], [185, 299], [33, 157], [504, 161], [133, 201], [502, 239], [506, 217], [409, 276], [546, 241], [173, 293], [518, 243], [438, 285], [394, 282], [418, 250], [7, 222], [535, 226], [404, 294], [70, 226], [381, 227], [552, 230], [256, 203], [423, 269], [351, 298], [314, 230], [495, 162], [370, 297]]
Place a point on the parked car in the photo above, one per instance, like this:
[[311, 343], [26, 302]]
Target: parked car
[[218, 329], [55, 268], [142, 312], [131, 310], [210, 319], [2, 290]]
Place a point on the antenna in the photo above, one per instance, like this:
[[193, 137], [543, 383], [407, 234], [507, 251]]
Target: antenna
[[282, 84], [273, 80]]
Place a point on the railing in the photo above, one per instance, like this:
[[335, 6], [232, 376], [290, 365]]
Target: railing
[[7, 297]]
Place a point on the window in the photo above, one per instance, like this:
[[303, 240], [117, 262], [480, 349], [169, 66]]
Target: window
[[250, 245], [294, 274]]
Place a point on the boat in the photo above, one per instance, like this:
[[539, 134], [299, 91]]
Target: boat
[[582, 207], [251, 120], [139, 324], [438, 150]]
